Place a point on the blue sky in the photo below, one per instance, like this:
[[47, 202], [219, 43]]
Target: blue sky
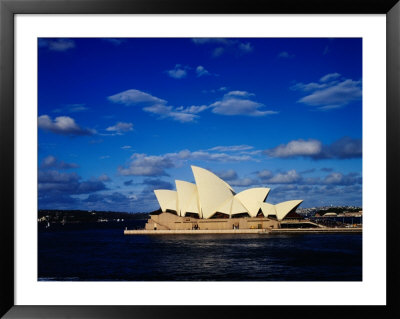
[[118, 118]]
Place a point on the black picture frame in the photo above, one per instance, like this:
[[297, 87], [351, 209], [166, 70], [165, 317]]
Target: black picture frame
[[8, 10]]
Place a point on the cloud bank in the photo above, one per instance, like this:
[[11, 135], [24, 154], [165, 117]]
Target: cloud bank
[[344, 148], [63, 125], [332, 91], [232, 103]]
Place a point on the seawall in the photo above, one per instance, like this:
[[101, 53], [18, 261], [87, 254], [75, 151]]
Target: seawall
[[242, 231]]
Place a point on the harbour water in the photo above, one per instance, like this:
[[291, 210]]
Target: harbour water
[[101, 252]]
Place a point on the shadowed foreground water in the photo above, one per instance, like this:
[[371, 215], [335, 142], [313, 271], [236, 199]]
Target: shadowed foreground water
[[102, 253]]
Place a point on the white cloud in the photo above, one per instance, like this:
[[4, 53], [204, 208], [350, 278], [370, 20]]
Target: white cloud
[[135, 97], [264, 174], [333, 178], [243, 182], [296, 148], [120, 127], [57, 44], [285, 178], [144, 165], [155, 105], [63, 125], [233, 179], [238, 103], [337, 95], [165, 111], [159, 109], [194, 109], [126, 147], [341, 179], [239, 94], [309, 86], [183, 117], [232, 103], [219, 157], [330, 107], [155, 165], [227, 175], [330, 92], [178, 72], [329, 77], [343, 148], [201, 71], [232, 148], [235, 106]]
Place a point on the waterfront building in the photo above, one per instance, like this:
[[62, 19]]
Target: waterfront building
[[211, 203]]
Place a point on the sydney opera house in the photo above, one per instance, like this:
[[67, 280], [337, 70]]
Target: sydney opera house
[[212, 204]]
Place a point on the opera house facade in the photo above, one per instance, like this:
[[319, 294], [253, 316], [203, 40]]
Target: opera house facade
[[212, 204]]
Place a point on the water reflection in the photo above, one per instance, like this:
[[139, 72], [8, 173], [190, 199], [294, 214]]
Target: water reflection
[[106, 254]]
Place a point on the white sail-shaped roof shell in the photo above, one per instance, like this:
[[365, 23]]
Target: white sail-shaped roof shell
[[251, 199], [268, 209], [237, 207], [225, 207], [282, 209], [232, 206], [167, 199], [188, 200], [213, 191]]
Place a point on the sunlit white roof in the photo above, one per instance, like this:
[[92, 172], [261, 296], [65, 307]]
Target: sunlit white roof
[[280, 210], [167, 199], [188, 200], [211, 194], [251, 199], [213, 191]]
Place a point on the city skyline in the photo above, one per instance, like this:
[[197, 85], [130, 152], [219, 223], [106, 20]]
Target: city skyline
[[118, 118]]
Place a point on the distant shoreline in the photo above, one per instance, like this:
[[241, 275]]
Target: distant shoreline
[[83, 216]]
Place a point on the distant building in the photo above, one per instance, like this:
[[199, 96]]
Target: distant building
[[330, 214]]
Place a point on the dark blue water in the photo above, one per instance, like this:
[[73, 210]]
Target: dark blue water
[[101, 252]]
